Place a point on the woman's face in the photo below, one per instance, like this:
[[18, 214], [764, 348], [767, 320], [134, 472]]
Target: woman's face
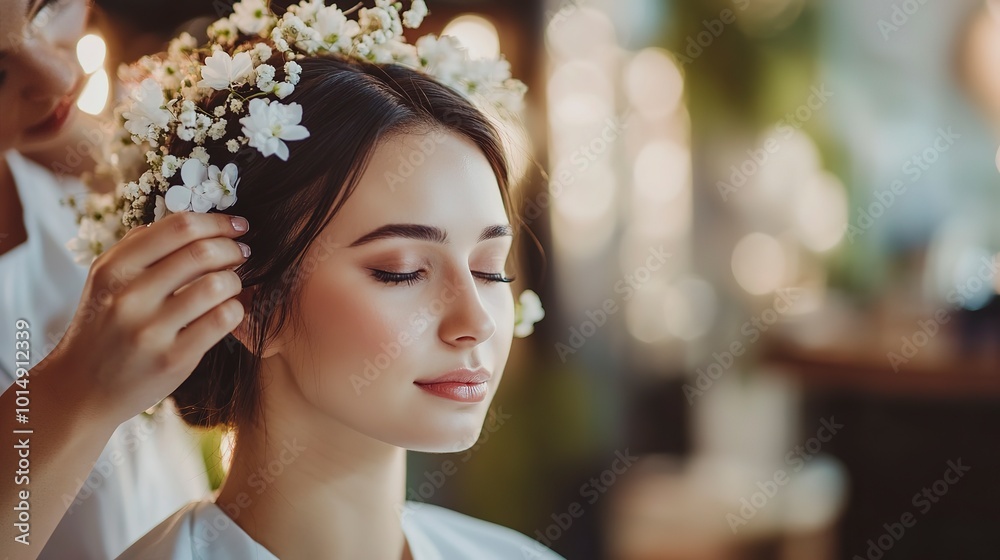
[[381, 314], [40, 77]]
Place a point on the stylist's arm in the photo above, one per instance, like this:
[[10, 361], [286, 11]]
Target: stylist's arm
[[153, 304]]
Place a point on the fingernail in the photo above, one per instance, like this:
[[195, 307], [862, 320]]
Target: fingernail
[[245, 249], [240, 224]]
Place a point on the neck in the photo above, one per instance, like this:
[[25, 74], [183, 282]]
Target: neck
[[304, 486]]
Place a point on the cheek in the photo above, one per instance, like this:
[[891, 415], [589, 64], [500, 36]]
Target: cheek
[[347, 324]]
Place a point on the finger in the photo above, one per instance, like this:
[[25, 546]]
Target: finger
[[200, 297], [187, 264], [166, 236], [209, 329]]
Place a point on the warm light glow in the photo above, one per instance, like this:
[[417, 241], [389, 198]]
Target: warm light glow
[[580, 92], [653, 83], [226, 447], [476, 34], [820, 212], [662, 170], [91, 51], [759, 263], [579, 32], [94, 96]]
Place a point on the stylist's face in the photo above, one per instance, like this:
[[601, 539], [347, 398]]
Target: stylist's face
[[40, 77]]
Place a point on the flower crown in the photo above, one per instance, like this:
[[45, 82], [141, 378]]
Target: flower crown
[[197, 94]]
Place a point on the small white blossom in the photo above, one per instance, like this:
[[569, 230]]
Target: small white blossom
[[218, 130], [261, 52], [413, 17], [528, 312], [170, 166], [200, 153], [219, 111], [270, 124], [222, 71], [251, 16], [191, 194], [146, 114], [220, 187], [236, 105], [293, 72], [160, 209], [265, 77], [233, 146]]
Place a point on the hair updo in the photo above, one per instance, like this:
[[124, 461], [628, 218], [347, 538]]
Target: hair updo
[[349, 107]]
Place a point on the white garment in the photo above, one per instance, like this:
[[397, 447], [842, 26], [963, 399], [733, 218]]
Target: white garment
[[202, 531], [152, 464]]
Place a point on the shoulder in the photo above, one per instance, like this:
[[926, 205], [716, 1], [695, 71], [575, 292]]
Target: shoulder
[[455, 535], [199, 530]]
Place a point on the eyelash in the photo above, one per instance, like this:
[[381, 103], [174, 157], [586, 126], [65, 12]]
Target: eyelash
[[410, 278]]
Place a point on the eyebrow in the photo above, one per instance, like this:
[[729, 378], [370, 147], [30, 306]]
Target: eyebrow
[[427, 233]]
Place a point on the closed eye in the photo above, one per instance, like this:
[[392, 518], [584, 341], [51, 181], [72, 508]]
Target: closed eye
[[410, 278]]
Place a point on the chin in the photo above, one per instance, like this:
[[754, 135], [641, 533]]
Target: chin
[[451, 433]]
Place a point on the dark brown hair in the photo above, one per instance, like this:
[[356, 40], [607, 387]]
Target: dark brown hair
[[349, 107]]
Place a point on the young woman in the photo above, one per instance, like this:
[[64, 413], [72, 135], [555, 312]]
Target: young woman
[[379, 313], [89, 460]]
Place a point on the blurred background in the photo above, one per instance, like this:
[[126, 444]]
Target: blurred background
[[768, 247]]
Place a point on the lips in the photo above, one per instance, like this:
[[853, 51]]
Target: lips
[[463, 375], [462, 385]]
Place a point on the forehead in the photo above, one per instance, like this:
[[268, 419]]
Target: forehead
[[432, 178], [12, 22]]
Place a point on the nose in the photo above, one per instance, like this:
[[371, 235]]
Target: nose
[[51, 70], [465, 321]]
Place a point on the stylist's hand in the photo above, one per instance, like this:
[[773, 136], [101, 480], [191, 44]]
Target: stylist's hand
[[134, 340]]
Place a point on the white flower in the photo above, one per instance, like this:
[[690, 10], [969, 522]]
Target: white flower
[[335, 31], [218, 129], [413, 17], [160, 209], [222, 71], [282, 89], [293, 72], [223, 31], [236, 105], [261, 52], [265, 77], [146, 113], [190, 195], [219, 111], [251, 16], [170, 166], [200, 153], [528, 312], [270, 123], [233, 146], [220, 187]]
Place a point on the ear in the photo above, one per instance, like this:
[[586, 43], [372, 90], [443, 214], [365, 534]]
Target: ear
[[243, 330]]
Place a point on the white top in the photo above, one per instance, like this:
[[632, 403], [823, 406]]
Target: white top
[[152, 465], [202, 531]]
